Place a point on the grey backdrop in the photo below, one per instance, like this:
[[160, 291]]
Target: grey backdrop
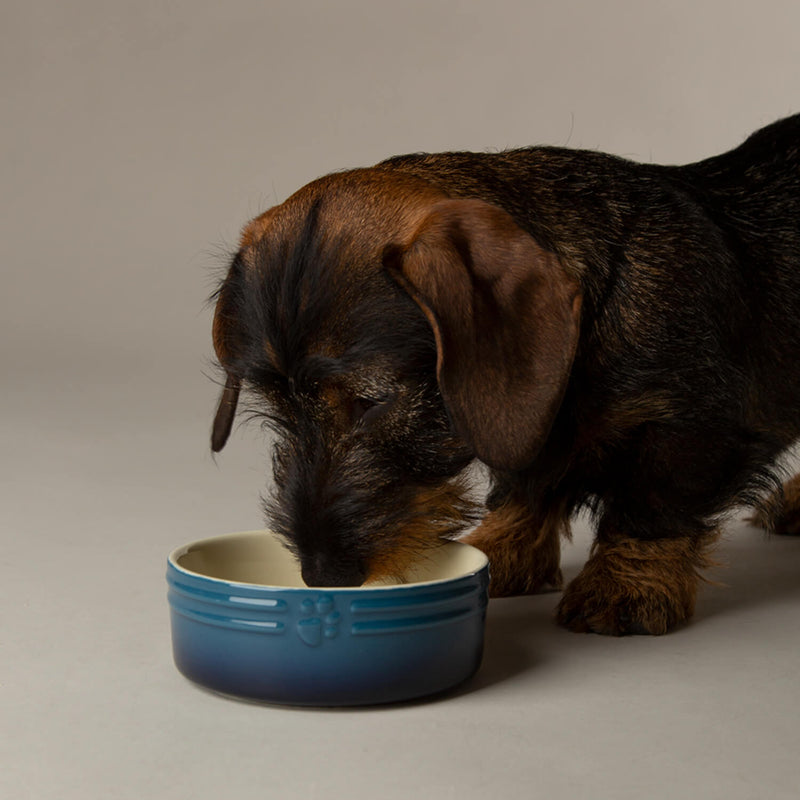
[[137, 138]]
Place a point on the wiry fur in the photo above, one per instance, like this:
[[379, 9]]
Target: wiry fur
[[400, 321], [357, 446]]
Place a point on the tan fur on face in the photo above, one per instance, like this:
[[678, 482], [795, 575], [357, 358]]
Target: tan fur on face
[[435, 513]]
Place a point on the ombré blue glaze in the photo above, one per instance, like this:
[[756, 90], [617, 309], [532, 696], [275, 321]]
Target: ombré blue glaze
[[243, 623]]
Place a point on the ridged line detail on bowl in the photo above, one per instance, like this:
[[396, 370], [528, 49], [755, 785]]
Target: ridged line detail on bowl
[[244, 608], [311, 631], [251, 625], [428, 600], [407, 624], [227, 599], [314, 629], [388, 604]]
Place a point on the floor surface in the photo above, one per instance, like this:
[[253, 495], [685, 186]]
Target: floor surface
[[92, 706]]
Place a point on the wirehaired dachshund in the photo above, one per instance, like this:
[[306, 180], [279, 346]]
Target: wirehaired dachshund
[[601, 334]]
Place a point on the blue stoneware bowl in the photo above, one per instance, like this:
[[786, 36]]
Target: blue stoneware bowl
[[245, 624]]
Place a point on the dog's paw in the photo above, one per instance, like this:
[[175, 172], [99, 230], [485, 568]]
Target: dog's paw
[[643, 600], [584, 612]]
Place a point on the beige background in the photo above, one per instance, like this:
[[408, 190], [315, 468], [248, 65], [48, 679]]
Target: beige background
[[137, 137]]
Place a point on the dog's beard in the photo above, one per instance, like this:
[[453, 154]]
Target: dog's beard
[[360, 515]]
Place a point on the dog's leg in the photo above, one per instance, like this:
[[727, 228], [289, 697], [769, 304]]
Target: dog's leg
[[780, 513], [632, 586], [523, 547]]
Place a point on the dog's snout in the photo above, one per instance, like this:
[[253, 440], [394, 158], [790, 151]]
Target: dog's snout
[[322, 571]]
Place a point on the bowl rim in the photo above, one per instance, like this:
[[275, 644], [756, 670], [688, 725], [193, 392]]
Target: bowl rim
[[172, 561]]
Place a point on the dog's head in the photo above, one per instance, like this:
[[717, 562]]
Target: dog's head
[[390, 335]]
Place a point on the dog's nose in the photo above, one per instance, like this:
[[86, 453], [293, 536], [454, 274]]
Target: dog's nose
[[320, 571]]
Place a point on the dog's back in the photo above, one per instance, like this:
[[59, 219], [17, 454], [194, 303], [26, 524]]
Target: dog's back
[[752, 194]]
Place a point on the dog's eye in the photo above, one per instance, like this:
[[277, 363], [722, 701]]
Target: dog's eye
[[368, 409]]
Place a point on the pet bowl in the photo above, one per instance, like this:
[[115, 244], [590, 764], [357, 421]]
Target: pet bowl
[[245, 624]]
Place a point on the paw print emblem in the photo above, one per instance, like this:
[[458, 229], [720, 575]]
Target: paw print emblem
[[320, 621]]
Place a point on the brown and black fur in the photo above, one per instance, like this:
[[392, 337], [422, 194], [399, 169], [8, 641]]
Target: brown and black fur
[[601, 334]]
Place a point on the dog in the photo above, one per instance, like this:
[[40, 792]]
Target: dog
[[600, 334]]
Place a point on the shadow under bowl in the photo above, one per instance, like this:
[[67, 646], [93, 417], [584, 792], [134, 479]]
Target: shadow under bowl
[[245, 624]]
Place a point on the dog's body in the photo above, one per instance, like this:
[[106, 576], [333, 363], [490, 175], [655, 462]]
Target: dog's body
[[598, 332]]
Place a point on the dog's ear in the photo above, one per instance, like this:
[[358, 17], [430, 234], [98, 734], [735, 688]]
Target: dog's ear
[[226, 411], [506, 318], [223, 336]]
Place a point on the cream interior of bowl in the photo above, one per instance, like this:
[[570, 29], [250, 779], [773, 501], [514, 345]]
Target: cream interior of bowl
[[259, 557]]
